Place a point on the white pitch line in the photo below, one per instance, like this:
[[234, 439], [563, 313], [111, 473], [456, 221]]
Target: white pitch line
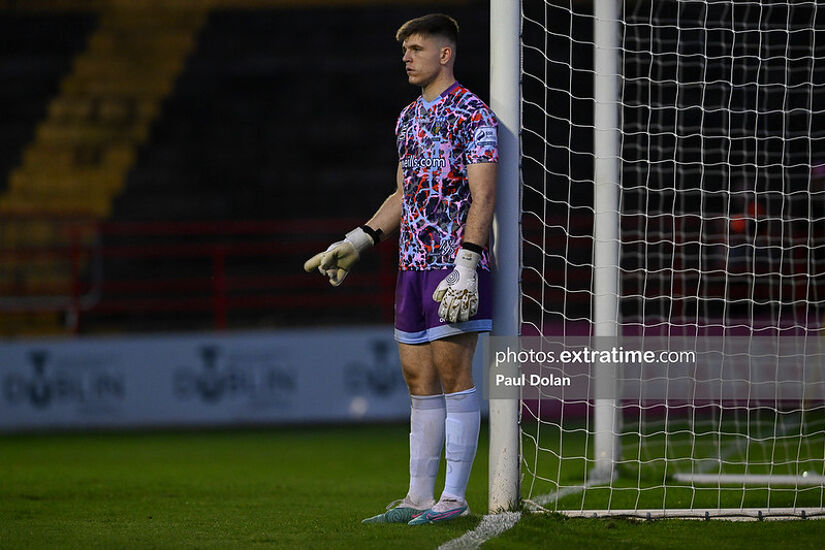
[[491, 526], [552, 498], [538, 503]]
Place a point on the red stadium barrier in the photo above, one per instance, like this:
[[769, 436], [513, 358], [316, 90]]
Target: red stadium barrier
[[88, 269]]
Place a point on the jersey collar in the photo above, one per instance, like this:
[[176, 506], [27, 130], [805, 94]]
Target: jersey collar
[[429, 104]]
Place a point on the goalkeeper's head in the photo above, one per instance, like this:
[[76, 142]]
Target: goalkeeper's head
[[429, 44]]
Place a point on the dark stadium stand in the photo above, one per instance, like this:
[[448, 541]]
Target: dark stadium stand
[[278, 116], [285, 114], [37, 51]]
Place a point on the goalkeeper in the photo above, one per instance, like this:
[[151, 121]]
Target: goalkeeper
[[443, 206]]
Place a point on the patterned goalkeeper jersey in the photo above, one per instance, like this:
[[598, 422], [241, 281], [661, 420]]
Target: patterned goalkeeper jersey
[[436, 142]]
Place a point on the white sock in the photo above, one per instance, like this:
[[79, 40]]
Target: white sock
[[462, 426], [427, 416]]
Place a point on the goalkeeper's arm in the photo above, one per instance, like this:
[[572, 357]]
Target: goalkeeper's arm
[[482, 180], [458, 292], [339, 258]]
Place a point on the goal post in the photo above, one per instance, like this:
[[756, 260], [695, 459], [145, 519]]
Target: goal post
[[670, 191], [605, 224], [505, 66]]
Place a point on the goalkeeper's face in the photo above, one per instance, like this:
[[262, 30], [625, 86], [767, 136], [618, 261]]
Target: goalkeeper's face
[[425, 57]]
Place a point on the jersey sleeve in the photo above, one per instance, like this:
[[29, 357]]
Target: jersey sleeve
[[482, 135], [398, 123], [401, 127]]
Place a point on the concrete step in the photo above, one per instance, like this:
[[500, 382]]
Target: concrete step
[[24, 183], [128, 84], [51, 133], [31, 323], [91, 206], [70, 156]]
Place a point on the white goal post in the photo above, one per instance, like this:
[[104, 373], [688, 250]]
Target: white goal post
[[662, 183], [505, 21]]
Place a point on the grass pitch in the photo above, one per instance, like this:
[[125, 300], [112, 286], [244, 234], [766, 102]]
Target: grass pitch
[[282, 488]]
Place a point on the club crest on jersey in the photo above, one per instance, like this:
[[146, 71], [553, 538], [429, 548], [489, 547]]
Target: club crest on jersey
[[485, 137], [439, 125]]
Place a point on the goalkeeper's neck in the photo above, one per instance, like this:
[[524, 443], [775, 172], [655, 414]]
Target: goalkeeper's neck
[[438, 85]]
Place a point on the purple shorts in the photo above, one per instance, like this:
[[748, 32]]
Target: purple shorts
[[416, 313]]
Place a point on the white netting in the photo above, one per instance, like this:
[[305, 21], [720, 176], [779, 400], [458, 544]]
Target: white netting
[[721, 234]]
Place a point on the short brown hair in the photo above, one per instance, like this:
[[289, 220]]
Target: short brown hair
[[433, 24]]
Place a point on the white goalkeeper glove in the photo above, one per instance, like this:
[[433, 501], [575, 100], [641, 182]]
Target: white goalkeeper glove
[[336, 261], [458, 292]]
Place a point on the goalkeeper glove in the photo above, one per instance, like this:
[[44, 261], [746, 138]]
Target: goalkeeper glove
[[458, 292], [337, 260]]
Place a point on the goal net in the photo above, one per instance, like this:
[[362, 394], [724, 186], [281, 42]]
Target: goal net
[[673, 181]]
